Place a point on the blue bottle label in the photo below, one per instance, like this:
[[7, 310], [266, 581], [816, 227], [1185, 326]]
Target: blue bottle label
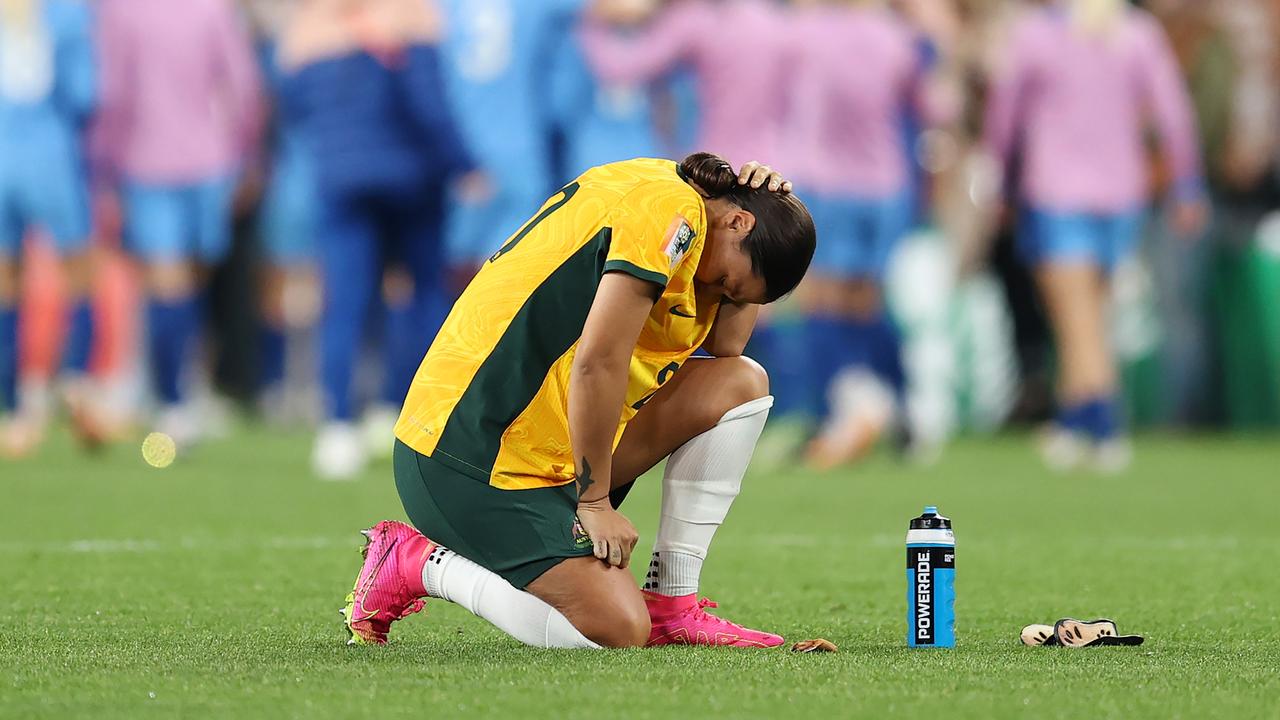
[[931, 593]]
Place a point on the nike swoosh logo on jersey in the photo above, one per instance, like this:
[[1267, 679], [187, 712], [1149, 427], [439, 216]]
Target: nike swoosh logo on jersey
[[679, 311]]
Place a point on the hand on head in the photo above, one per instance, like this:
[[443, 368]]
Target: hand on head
[[756, 174]]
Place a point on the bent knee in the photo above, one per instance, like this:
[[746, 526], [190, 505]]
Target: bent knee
[[621, 627], [749, 379]]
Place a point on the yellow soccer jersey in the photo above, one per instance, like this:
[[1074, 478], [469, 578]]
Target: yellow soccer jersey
[[490, 399]]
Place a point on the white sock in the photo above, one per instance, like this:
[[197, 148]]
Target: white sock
[[702, 478], [449, 576]]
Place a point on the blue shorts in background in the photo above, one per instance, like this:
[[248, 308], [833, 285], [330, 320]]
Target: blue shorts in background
[[856, 236], [1047, 237], [48, 195], [289, 209], [178, 222]]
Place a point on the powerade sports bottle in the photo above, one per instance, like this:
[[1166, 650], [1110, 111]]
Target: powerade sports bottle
[[931, 581]]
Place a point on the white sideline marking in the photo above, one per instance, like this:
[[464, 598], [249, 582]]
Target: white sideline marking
[[186, 544]]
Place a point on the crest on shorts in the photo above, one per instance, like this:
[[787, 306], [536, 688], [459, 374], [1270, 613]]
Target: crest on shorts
[[678, 241], [580, 536]]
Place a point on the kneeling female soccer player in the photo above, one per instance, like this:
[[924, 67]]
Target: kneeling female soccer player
[[562, 374]]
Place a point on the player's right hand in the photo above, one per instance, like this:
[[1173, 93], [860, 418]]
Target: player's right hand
[[612, 534], [756, 174]]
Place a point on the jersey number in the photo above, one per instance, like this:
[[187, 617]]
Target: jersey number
[[568, 191], [663, 376]]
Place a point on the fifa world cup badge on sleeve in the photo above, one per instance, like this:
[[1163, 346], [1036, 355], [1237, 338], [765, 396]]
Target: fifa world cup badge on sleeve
[[931, 581], [678, 240]]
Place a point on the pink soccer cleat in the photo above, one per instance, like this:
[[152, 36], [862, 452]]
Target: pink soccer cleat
[[683, 620], [389, 586]]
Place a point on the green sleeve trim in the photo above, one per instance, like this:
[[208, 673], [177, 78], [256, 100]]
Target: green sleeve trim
[[634, 270]]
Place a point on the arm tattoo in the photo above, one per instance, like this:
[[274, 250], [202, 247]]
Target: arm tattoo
[[584, 478]]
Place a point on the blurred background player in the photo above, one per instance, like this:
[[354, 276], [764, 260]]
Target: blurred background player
[[1200, 345], [363, 87], [48, 88], [738, 121], [180, 115], [498, 56], [599, 121], [852, 163], [287, 227], [1227, 52], [1080, 82]]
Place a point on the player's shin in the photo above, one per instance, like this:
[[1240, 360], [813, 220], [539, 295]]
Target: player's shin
[[702, 478]]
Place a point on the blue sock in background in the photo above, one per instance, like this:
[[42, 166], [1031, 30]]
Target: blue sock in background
[[824, 334], [400, 338], [271, 347], [172, 325], [773, 346], [854, 344], [8, 358], [339, 346], [1073, 417], [342, 333], [79, 345], [834, 343], [884, 349], [1101, 418], [410, 330]]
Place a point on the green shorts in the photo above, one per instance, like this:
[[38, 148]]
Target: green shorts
[[518, 534]]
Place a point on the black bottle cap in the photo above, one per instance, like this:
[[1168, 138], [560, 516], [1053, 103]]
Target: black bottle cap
[[931, 520]]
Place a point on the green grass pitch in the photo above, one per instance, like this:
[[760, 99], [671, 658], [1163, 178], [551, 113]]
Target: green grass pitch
[[211, 589]]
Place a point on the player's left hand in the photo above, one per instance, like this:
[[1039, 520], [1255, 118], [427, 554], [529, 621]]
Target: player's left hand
[[613, 537], [756, 174]]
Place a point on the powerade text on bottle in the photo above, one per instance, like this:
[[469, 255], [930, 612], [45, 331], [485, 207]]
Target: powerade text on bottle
[[931, 581]]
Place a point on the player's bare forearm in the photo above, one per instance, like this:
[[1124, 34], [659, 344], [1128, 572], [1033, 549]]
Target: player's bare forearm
[[731, 330], [598, 379], [597, 390]]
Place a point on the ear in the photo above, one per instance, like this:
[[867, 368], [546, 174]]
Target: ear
[[742, 221]]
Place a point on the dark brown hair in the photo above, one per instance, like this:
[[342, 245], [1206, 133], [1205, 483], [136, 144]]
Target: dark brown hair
[[782, 242]]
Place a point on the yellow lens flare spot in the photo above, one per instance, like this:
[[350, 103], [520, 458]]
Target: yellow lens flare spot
[[159, 450]]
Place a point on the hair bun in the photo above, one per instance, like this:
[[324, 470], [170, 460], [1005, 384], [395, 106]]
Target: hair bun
[[710, 172]]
